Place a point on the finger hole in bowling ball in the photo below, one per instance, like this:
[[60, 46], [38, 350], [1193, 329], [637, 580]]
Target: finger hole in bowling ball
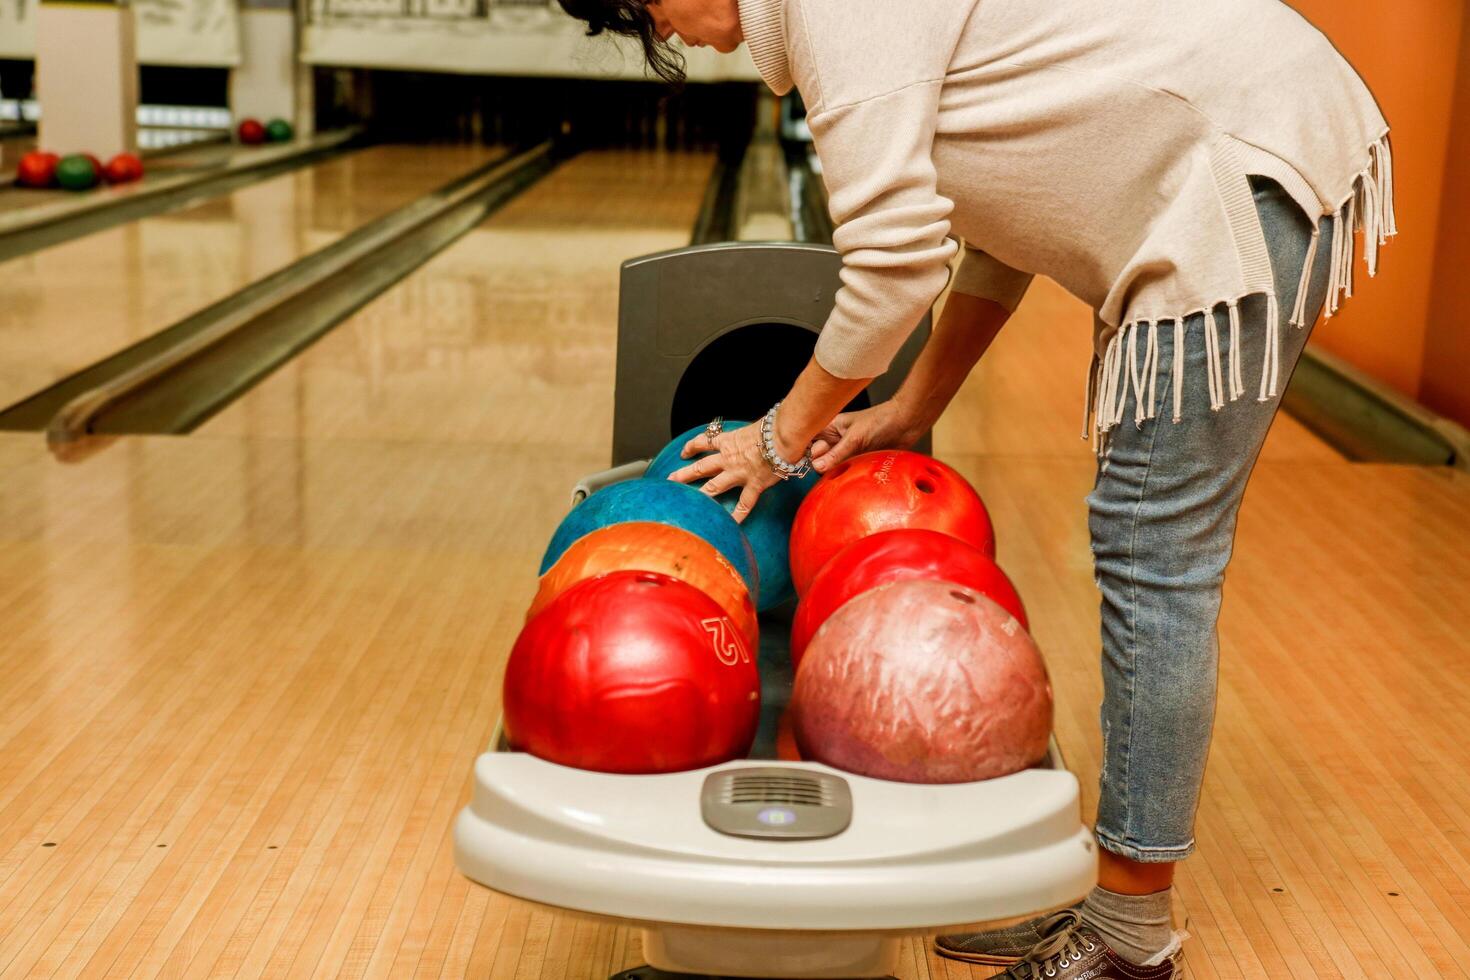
[[925, 486], [968, 600], [650, 579]]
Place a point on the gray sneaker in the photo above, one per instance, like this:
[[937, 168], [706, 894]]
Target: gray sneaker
[[1071, 945], [1002, 947]]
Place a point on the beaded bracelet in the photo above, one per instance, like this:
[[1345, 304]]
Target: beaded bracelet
[[779, 466]]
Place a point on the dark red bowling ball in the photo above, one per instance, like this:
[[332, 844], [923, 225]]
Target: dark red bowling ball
[[632, 672], [251, 132], [123, 169], [898, 556], [923, 682], [884, 491], [37, 169]]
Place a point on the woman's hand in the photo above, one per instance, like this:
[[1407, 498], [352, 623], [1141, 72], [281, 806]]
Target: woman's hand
[[736, 462], [887, 425]]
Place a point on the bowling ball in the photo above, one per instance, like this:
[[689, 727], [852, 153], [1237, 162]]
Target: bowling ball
[[662, 502], [251, 132], [278, 131], [767, 527], [786, 749], [923, 682], [37, 169], [897, 556], [76, 172], [884, 491], [632, 672], [651, 547], [123, 169]]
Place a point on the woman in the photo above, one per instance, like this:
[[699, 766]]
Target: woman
[[1194, 172]]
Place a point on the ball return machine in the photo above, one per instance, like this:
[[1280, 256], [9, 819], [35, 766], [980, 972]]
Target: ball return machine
[[760, 867]]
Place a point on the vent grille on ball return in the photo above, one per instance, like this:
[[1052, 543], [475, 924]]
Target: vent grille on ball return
[[777, 789], [778, 803]]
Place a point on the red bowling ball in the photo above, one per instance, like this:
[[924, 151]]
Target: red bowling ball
[[37, 169], [923, 682], [125, 168], [632, 672], [884, 491], [898, 556], [251, 132]]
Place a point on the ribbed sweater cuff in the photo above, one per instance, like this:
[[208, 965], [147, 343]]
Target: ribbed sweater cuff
[[764, 25]]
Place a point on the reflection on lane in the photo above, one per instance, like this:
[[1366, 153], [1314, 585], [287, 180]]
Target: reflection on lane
[[70, 305], [508, 337]]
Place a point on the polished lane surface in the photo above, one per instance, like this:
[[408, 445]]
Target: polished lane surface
[[70, 305], [244, 679], [468, 348]]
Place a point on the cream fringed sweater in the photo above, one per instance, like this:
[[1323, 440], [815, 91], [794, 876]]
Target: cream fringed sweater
[[1107, 145]]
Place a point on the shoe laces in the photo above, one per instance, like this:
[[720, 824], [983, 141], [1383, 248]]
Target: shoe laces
[[1065, 944]]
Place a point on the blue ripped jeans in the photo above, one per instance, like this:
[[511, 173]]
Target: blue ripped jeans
[[1162, 517]]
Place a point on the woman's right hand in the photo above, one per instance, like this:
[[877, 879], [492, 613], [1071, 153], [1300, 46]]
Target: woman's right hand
[[886, 425]]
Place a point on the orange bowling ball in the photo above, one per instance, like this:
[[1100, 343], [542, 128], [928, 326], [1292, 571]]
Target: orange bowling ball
[[786, 748], [645, 546]]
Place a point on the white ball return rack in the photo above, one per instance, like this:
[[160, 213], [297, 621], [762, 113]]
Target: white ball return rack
[[760, 868], [764, 868]]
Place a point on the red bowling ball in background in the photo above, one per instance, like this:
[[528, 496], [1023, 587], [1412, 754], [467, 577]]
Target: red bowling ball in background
[[251, 132], [632, 672], [897, 556], [884, 491], [37, 170], [923, 682], [125, 168]]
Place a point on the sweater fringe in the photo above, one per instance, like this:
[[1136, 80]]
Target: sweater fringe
[[1367, 209]]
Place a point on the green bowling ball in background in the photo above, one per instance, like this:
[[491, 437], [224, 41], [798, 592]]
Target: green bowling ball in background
[[278, 131], [76, 172]]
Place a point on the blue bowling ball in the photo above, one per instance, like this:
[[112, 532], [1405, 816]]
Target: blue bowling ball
[[768, 528], [663, 502]]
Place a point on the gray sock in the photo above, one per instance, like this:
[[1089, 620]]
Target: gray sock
[[1137, 927]]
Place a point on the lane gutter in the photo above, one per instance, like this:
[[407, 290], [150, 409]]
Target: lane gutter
[[172, 382]]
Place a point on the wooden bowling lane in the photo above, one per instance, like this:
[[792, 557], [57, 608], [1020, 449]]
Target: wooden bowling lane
[[1027, 396], [67, 306], [1332, 834], [243, 681], [508, 337]]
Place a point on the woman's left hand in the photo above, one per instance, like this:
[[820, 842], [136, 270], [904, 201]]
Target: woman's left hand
[[735, 461]]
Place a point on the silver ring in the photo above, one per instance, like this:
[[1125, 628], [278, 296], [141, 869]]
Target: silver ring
[[716, 426]]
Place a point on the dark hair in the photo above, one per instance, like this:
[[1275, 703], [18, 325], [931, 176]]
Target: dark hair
[[630, 18]]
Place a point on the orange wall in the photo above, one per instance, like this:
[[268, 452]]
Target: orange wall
[[1410, 54], [1446, 383]]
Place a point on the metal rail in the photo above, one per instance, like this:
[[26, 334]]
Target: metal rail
[[716, 219], [353, 269], [1368, 421]]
